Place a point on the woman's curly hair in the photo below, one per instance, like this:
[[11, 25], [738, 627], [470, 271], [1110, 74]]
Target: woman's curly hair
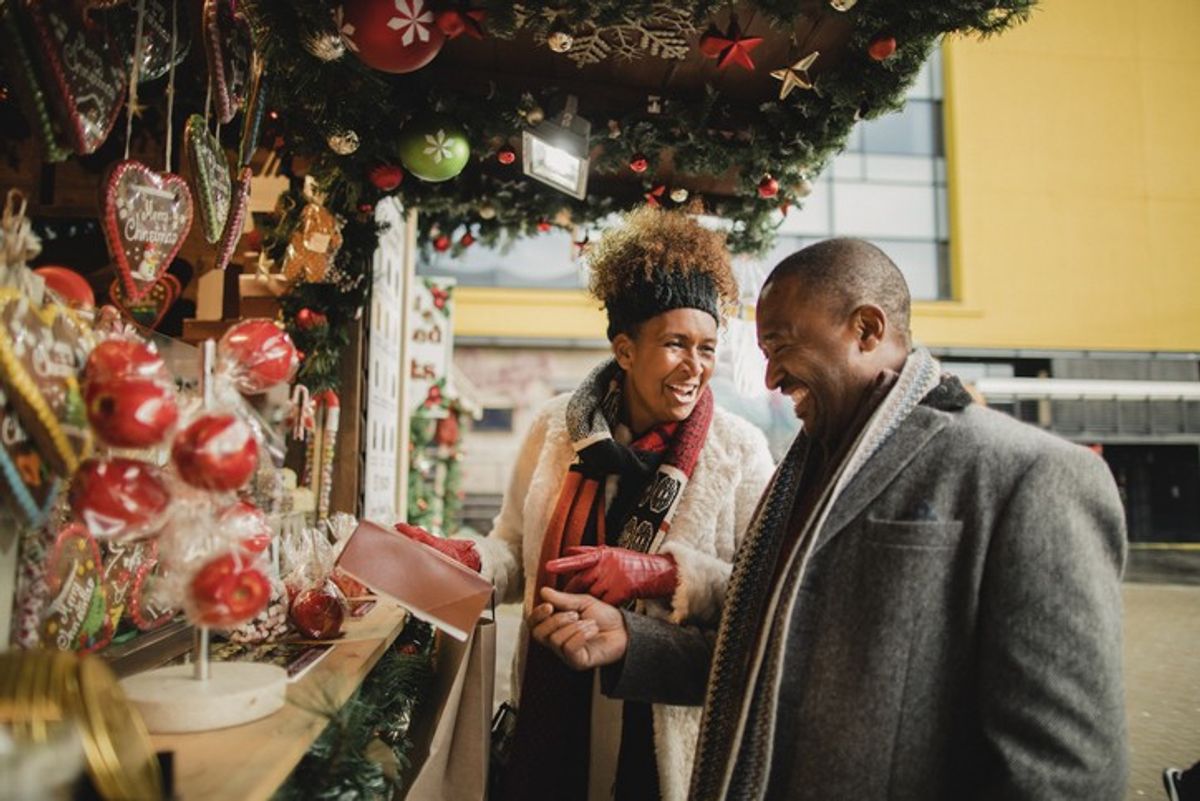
[[663, 253]]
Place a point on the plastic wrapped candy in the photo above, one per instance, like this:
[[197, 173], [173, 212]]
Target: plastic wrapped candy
[[217, 451], [248, 524], [318, 612], [129, 394], [257, 355], [119, 498], [225, 591]]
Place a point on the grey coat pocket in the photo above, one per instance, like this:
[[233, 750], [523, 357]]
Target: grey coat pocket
[[913, 533]]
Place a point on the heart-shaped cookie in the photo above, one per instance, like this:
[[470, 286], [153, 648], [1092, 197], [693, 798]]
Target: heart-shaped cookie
[[85, 74], [227, 40], [122, 561], [209, 170], [26, 484], [41, 354], [147, 215], [76, 619], [237, 218], [148, 311], [145, 605], [29, 90], [156, 36]]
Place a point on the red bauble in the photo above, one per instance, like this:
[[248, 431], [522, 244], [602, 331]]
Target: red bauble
[[446, 431], [216, 452], [249, 524], [123, 358], [122, 498], [543, 226], [441, 244], [768, 187], [456, 22], [304, 319], [390, 35], [882, 47], [259, 355], [386, 177], [506, 155], [639, 163], [467, 240], [226, 592], [131, 412], [318, 612]]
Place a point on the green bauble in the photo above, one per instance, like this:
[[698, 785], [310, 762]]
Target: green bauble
[[434, 149]]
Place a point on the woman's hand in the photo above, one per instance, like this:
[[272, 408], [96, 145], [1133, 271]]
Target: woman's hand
[[462, 551], [616, 575], [581, 631]]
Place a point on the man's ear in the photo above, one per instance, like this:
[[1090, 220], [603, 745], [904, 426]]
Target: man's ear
[[870, 326], [622, 348]]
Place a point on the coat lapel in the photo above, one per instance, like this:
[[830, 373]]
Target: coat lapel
[[905, 443]]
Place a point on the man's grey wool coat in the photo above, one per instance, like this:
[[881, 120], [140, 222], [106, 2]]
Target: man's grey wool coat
[[956, 634]]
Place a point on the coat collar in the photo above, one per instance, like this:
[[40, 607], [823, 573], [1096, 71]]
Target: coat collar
[[921, 426]]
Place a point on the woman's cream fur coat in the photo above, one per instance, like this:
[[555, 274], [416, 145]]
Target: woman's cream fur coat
[[718, 502]]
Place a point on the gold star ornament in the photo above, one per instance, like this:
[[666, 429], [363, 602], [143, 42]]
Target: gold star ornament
[[795, 75]]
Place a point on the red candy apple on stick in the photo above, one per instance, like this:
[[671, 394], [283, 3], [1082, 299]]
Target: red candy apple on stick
[[318, 612], [257, 355], [217, 452], [129, 394], [227, 590], [247, 523], [119, 498]]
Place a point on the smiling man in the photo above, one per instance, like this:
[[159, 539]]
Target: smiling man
[[926, 605]]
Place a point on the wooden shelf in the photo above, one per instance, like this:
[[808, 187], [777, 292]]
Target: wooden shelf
[[250, 762]]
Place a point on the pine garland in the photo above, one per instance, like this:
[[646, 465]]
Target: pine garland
[[790, 139], [337, 767]]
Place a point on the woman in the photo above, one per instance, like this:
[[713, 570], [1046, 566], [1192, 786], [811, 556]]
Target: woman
[[645, 487]]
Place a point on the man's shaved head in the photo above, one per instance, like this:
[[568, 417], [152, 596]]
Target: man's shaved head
[[848, 273]]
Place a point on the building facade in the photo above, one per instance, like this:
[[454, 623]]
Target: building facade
[[1040, 191]]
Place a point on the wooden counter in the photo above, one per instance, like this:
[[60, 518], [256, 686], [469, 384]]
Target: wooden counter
[[250, 762]]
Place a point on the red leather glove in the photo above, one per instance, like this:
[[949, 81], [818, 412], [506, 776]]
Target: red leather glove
[[462, 551], [617, 575]]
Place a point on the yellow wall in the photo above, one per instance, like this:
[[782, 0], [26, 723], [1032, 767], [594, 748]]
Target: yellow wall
[[1075, 181], [1074, 163]]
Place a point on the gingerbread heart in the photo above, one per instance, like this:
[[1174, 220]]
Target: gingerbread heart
[[83, 68], [237, 218], [157, 53], [149, 311], [41, 354], [147, 215], [145, 606], [26, 484], [29, 90], [122, 561], [76, 618], [256, 109], [210, 176], [227, 40]]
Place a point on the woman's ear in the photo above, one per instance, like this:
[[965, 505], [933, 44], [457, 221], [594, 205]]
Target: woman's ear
[[622, 348]]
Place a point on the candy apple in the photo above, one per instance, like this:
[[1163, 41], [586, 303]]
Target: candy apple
[[131, 412], [216, 452], [227, 591], [119, 497]]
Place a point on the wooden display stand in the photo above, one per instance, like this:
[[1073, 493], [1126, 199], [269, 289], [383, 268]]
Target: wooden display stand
[[251, 761]]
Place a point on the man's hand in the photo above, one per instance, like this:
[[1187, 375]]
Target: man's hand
[[617, 575], [582, 631], [461, 551]]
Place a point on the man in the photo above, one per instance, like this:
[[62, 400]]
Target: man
[[927, 603]]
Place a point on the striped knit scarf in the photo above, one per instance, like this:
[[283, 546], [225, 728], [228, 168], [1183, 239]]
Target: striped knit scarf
[[734, 750], [551, 745], [592, 415]]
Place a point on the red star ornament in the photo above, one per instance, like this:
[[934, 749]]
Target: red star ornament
[[455, 22], [729, 47]]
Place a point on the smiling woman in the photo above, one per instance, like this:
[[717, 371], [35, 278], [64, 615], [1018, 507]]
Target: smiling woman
[[634, 488]]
